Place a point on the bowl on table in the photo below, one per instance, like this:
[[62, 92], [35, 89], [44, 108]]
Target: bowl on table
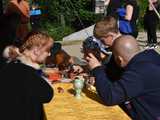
[[53, 74]]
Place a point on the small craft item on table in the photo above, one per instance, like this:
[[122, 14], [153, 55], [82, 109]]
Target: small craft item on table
[[53, 74], [78, 84]]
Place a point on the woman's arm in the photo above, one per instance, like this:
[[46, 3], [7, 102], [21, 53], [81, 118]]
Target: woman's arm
[[129, 12]]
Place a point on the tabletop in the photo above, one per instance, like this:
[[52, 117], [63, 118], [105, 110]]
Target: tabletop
[[65, 106]]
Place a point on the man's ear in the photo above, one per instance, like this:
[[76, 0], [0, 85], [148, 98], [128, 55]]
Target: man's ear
[[120, 60]]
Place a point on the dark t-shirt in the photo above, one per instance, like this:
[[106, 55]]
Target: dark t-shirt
[[23, 92], [112, 7], [134, 15]]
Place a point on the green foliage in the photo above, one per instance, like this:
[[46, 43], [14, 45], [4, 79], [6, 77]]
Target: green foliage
[[56, 30], [71, 10], [87, 15], [65, 16]]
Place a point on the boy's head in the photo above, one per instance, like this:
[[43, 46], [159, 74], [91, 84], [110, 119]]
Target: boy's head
[[61, 59], [37, 46], [106, 30]]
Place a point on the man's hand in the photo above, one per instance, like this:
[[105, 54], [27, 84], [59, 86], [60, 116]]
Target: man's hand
[[92, 61]]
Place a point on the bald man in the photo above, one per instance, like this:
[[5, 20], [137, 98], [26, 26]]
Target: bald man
[[124, 48], [139, 87]]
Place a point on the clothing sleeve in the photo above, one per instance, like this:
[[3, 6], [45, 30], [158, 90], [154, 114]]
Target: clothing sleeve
[[113, 93], [39, 88]]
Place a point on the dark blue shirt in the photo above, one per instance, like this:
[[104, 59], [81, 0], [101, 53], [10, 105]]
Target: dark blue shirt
[[139, 84]]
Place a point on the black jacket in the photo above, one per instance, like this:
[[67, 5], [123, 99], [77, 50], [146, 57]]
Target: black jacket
[[23, 93], [138, 88]]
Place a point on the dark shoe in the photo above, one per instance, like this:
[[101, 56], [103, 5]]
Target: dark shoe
[[149, 46], [155, 45]]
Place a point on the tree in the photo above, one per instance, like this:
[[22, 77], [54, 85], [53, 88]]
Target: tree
[[67, 16], [72, 12]]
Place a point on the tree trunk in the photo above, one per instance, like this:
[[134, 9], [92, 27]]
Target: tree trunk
[[62, 20]]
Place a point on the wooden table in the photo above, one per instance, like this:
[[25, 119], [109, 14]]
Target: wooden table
[[64, 106]]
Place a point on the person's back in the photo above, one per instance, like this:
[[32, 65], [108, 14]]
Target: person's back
[[21, 89], [145, 98]]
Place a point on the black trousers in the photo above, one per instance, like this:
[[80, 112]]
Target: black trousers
[[151, 33], [150, 24]]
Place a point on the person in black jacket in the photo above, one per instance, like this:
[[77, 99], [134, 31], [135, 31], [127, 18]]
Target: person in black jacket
[[150, 24], [139, 86], [23, 90]]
